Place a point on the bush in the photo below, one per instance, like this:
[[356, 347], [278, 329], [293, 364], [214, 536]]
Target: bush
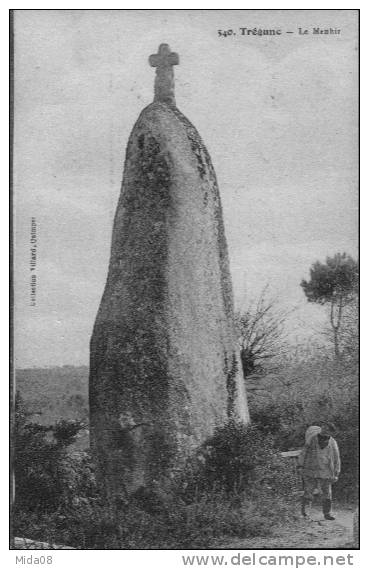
[[46, 474], [202, 523], [213, 498], [283, 420], [346, 421], [238, 460]]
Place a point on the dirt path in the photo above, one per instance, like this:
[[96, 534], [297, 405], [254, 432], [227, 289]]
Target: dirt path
[[313, 533]]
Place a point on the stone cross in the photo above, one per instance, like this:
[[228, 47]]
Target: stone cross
[[164, 80]]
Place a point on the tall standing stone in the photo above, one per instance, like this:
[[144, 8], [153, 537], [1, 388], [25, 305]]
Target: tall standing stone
[[165, 368]]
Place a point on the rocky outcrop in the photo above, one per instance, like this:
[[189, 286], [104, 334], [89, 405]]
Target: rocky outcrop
[[24, 543], [164, 368]]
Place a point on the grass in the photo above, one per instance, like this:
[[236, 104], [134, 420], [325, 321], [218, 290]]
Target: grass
[[203, 523]]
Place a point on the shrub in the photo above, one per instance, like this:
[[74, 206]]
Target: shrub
[[66, 432], [346, 421], [214, 497], [46, 475], [283, 420], [204, 522], [235, 460]]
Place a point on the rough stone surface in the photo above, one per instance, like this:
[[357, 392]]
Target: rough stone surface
[[24, 543], [164, 369]]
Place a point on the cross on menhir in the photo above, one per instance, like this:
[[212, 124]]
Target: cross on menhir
[[164, 80]]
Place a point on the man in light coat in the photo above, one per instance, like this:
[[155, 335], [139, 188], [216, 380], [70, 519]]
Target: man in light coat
[[321, 465]]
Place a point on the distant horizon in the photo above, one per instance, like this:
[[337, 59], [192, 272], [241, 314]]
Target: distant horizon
[[318, 346]]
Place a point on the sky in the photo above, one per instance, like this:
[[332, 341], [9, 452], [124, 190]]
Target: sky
[[278, 115]]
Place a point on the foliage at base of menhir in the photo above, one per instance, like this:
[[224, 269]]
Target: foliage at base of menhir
[[237, 459], [47, 475], [232, 488]]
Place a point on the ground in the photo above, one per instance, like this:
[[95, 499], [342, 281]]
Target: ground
[[312, 533]]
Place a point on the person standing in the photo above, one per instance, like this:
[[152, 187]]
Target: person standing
[[320, 463]]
